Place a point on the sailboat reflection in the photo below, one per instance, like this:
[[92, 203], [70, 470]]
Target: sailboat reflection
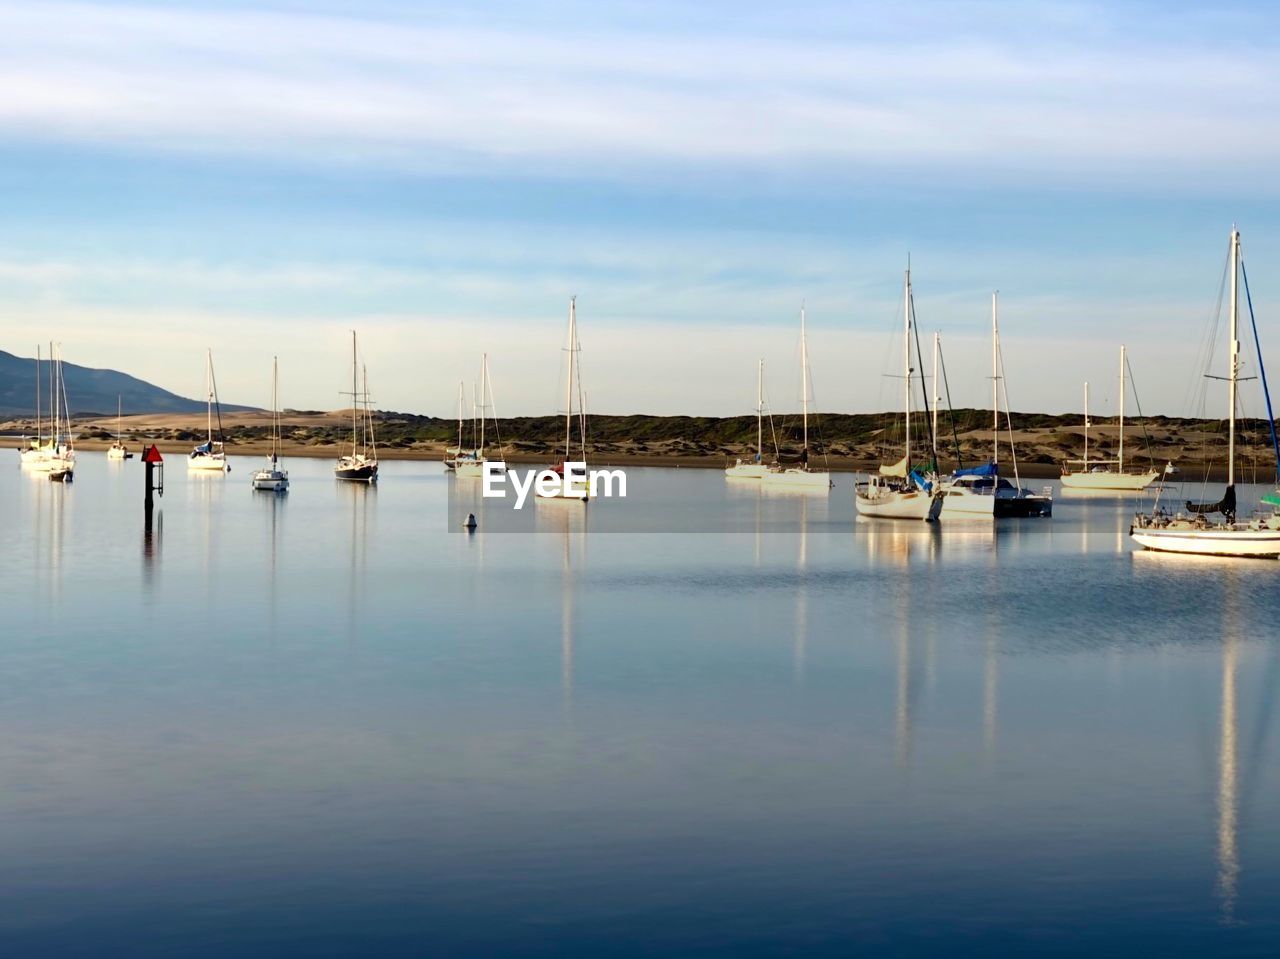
[[799, 647], [1228, 853], [899, 543], [571, 526]]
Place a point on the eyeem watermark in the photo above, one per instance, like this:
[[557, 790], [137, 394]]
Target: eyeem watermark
[[576, 482]]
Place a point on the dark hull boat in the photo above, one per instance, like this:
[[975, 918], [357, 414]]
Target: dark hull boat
[[356, 469]]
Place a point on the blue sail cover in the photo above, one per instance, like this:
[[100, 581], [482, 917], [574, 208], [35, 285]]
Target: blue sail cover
[[920, 481], [986, 469], [206, 447]]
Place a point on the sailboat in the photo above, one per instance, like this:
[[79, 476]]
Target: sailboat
[[59, 462], [1098, 474], [454, 455], [754, 468], [573, 388], [961, 499], [271, 477], [473, 462], [899, 490], [1193, 531], [361, 465], [119, 452], [1007, 499], [210, 456], [37, 449], [796, 474]]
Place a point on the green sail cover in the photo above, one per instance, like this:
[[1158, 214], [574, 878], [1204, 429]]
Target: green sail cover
[[1272, 499]]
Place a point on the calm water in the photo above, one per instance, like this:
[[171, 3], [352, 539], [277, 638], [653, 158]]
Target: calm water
[[322, 725]]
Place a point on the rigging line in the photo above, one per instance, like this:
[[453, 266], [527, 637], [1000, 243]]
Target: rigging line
[[213, 381], [1262, 370], [951, 413], [1138, 403], [924, 393], [1008, 416]]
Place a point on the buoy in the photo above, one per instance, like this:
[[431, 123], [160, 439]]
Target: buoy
[[470, 524]]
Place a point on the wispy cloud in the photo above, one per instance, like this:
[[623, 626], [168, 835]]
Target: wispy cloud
[[1087, 93]]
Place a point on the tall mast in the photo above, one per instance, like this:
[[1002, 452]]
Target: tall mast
[[906, 358], [995, 377], [936, 399], [1234, 358], [568, 393], [1120, 455], [760, 411], [53, 416], [355, 404], [462, 399], [275, 408], [484, 392], [39, 421], [804, 377], [208, 389], [56, 372], [1086, 426]]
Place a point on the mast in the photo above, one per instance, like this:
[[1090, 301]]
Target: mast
[[462, 399], [995, 377], [275, 407], [1234, 359], [906, 359], [936, 399], [53, 417], [119, 413], [568, 393], [760, 411], [484, 390], [1120, 456], [355, 400], [804, 378], [39, 421], [55, 375], [1086, 426], [208, 389]]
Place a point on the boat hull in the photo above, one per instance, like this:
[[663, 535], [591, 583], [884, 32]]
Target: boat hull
[[209, 463], [274, 481], [1110, 480], [1242, 541], [118, 454], [474, 469], [958, 503], [356, 474], [746, 471], [52, 462], [900, 504], [1017, 507], [797, 479]]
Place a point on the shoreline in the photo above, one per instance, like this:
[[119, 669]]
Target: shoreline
[[435, 453]]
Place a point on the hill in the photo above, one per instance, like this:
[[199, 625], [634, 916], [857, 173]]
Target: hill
[[89, 391]]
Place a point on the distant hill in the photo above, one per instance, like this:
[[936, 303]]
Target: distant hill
[[88, 391]]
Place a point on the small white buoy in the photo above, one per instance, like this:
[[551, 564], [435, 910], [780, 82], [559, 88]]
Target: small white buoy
[[470, 524]]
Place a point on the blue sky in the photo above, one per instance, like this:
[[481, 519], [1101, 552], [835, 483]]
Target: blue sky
[[261, 178]]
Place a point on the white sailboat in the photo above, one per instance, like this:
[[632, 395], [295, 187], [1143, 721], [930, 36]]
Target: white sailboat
[[57, 457], [1106, 474], [1008, 500], [271, 477], [1192, 531], [798, 475], [119, 452], [754, 468], [37, 449], [361, 465], [453, 455], [580, 493], [473, 462], [961, 499], [898, 491], [210, 456]]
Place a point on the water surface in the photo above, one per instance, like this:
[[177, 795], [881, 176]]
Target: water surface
[[322, 724]]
